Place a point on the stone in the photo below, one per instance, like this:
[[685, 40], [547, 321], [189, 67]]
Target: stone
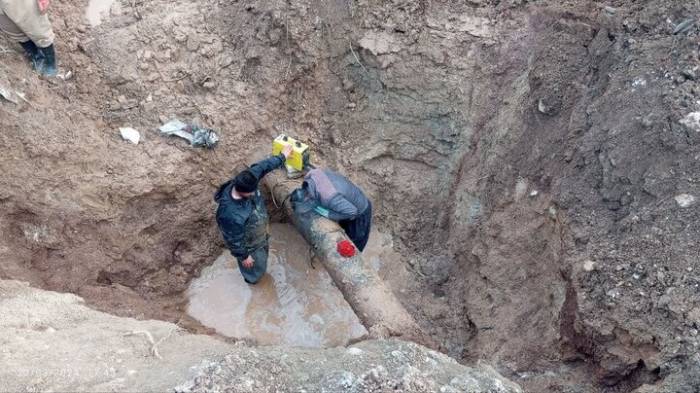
[[436, 269], [192, 44], [589, 265], [130, 134], [694, 316], [684, 200], [689, 74], [692, 121], [355, 351], [379, 43], [474, 25]]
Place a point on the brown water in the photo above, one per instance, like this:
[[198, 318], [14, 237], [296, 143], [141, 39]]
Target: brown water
[[293, 304]]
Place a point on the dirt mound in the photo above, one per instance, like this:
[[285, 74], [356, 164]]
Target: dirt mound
[[370, 366], [79, 349], [534, 161]]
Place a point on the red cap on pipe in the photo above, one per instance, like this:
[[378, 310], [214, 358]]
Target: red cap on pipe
[[346, 248]]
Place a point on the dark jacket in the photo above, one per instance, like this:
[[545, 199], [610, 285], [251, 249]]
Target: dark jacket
[[243, 222], [337, 196]]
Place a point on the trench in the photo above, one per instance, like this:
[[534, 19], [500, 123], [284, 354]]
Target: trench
[[488, 150]]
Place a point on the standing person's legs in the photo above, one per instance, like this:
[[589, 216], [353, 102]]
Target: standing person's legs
[[255, 273], [26, 17], [10, 29]]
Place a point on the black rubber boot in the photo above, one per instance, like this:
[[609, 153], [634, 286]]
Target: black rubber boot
[[31, 51], [48, 65]]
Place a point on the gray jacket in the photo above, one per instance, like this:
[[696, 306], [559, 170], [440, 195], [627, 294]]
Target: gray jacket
[[339, 199]]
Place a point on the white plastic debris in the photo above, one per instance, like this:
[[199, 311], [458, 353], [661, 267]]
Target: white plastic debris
[[197, 136], [684, 200], [130, 134]]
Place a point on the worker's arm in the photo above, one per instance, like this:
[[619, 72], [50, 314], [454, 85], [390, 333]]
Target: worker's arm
[[262, 168], [233, 230], [338, 209]]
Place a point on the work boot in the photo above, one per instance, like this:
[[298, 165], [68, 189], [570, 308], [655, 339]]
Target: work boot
[[31, 51], [47, 66]]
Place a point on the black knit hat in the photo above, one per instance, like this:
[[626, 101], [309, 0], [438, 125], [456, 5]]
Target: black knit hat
[[245, 182]]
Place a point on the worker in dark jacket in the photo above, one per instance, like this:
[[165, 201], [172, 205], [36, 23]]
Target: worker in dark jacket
[[243, 220], [333, 196]]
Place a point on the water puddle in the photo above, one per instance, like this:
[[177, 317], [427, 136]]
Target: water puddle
[[292, 305], [97, 10]]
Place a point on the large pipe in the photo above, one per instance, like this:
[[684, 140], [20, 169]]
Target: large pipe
[[373, 302]]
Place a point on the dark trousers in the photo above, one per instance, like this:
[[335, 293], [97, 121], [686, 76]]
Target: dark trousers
[[359, 228], [255, 273]]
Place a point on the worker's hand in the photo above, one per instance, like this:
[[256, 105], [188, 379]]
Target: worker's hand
[[287, 151], [248, 262], [43, 5]]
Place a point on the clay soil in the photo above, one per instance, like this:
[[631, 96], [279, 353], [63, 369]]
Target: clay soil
[[535, 162]]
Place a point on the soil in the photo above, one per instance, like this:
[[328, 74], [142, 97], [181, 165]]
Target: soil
[[534, 161], [54, 342]]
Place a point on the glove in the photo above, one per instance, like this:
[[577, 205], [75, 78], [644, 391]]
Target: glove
[[43, 5]]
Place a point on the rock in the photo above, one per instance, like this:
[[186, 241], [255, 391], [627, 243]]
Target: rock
[[534, 193], [690, 74], [520, 189], [613, 293], [589, 265], [379, 43], [192, 44], [684, 200], [355, 351], [130, 134], [684, 26], [437, 269], [474, 25], [692, 121], [547, 108], [693, 316], [336, 370], [610, 10]]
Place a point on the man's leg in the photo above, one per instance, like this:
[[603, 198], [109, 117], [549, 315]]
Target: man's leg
[[358, 229], [36, 28], [255, 273], [26, 17], [10, 29]]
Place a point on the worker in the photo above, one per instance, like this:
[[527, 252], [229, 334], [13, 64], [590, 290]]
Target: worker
[[26, 22], [242, 217], [333, 196]]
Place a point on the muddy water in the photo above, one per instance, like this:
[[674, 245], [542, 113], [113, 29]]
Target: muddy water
[[293, 304], [97, 10]]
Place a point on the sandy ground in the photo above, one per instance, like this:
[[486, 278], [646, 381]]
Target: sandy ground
[[54, 342]]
